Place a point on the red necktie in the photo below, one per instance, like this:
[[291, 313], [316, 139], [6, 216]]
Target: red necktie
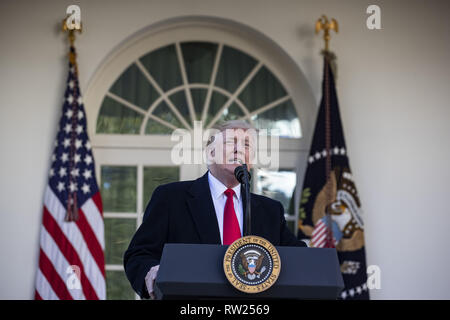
[[231, 230]]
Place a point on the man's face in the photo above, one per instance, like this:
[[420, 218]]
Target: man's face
[[232, 148]]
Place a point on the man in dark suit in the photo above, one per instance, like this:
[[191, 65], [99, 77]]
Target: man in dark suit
[[208, 210]]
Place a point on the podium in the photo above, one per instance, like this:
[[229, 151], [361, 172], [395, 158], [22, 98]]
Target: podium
[[195, 271]]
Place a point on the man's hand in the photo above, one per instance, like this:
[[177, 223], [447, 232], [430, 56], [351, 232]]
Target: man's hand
[[150, 281]]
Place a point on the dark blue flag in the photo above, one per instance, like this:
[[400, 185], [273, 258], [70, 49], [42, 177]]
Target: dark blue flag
[[330, 209]]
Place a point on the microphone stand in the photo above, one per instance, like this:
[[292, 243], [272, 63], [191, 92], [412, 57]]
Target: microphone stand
[[243, 176]]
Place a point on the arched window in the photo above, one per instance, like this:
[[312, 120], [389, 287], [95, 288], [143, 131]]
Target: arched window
[[173, 86], [168, 76]]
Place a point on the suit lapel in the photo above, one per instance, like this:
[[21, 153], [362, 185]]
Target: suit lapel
[[202, 210]]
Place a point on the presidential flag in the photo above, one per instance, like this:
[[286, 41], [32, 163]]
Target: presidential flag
[[330, 210], [71, 258]]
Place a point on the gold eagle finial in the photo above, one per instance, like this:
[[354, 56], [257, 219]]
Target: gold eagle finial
[[326, 25], [71, 35], [70, 30]]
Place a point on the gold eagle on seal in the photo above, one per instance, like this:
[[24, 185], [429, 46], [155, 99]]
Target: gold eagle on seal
[[252, 261]]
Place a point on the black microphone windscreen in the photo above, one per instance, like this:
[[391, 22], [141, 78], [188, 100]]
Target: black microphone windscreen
[[239, 173]]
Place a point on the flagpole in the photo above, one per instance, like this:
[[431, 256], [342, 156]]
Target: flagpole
[[326, 25], [72, 203], [323, 23], [71, 29]]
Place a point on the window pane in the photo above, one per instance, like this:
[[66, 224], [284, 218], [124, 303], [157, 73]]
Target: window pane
[[118, 287], [233, 68], [198, 60], [116, 118], [134, 87], [163, 112], [154, 127], [163, 66], [278, 185], [217, 102], [118, 188], [155, 176], [263, 89], [233, 112], [282, 117], [118, 234], [198, 99], [179, 101]]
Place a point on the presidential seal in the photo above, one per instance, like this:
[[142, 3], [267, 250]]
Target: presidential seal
[[252, 264]]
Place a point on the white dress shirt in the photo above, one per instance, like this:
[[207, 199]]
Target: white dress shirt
[[219, 199]]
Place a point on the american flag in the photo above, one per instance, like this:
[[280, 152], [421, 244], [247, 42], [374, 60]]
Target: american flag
[[71, 258], [322, 236]]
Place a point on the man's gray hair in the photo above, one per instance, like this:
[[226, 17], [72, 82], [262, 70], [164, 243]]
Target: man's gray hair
[[231, 124]]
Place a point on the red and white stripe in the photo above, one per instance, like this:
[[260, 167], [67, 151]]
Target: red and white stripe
[[319, 235], [64, 244]]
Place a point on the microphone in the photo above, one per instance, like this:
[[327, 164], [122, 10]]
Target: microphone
[[243, 176]]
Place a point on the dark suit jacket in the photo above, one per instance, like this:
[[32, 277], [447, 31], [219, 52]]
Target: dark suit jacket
[[183, 212]]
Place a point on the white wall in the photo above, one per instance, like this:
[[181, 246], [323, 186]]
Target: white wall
[[393, 92]]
